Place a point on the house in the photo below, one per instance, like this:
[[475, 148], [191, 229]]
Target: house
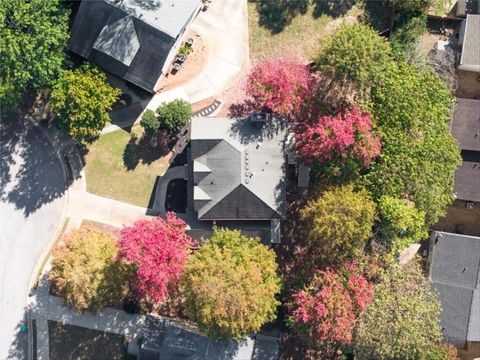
[[454, 268], [165, 339], [469, 42], [237, 171], [131, 39], [465, 7]]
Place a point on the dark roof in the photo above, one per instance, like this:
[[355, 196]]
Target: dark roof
[[455, 274], [137, 54], [165, 339], [466, 124], [471, 42], [467, 177], [465, 7]]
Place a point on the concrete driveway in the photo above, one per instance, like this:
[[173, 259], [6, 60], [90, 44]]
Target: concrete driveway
[[32, 200]]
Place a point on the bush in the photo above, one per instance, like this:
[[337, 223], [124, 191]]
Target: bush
[[406, 36], [230, 285], [174, 114], [86, 272], [150, 122]]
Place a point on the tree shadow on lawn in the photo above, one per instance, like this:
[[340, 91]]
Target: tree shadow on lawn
[[275, 15], [333, 8], [147, 149]]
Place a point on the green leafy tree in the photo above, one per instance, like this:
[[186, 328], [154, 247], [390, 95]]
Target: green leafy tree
[[86, 272], [81, 98], [401, 224], [174, 114], [230, 285], [442, 351], [402, 321], [413, 6], [33, 34], [405, 40], [356, 54], [150, 122], [339, 223], [419, 155]]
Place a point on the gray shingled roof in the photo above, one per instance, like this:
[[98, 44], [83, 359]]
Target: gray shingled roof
[[471, 43], [466, 123], [465, 7], [247, 169], [129, 38], [466, 184], [166, 340], [455, 273]]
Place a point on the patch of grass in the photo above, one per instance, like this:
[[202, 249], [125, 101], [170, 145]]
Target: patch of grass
[[108, 175], [300, 34]]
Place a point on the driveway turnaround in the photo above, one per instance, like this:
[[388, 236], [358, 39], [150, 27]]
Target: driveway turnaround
[[32, 199]]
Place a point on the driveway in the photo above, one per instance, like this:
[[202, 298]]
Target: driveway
[[32, 199]]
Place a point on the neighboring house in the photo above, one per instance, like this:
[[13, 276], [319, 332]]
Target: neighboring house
[[465, 7], [466, 129], [135, 40], [454, 267], [469, 42], [163, 339], [237, 171]]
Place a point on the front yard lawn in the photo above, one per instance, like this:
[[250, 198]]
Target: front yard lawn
[[289, 29], [121, 166], [68, 342]]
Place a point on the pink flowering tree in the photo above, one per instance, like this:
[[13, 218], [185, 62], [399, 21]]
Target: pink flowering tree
[[325, 312], [280, 85], [345, 138], [158, 249]]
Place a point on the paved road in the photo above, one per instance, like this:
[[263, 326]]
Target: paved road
[[32, 199]]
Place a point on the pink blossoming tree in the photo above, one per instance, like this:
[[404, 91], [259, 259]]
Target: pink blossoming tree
[[159, 249], [345, 135], [280, 85], [326, 310]]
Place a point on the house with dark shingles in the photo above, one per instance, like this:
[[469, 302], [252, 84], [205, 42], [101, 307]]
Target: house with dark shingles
[[465, 7], [237, 172], [469, 41], [454, 268], [135, 40], [165, 339], [465, 128]]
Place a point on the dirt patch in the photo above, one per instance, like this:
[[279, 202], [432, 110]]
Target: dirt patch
[[68, 342], [458, 214], [192, 66], [468, 84]]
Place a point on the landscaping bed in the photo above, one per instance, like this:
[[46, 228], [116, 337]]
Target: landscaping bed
[[68, 342], [122, 166]]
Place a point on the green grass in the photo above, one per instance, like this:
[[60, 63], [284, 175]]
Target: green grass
[[300, 38], [111, 172]]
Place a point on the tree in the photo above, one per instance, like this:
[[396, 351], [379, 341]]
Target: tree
[[402, 320], [33, 35], [442, 351], [174, 114], [401, 224], [230, 285], [405, 40], [355, 53], [325, 312], [341, 139], [281, 86], [158, 249], [150, 122], [339, 223], [412, 6], [419, 155], [81, 99], [86, 272]]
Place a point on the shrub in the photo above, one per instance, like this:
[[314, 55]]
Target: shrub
[[174, 114], [150, 122]]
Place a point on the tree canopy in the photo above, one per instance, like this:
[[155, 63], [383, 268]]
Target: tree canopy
[[402, 321], [230, 285], [339, 223], [174, 114], [325, 311], [356, 54], [281, 86], [86, 272], [33, 34], [150, 122], [81, 98], [158, 249], [419, 155]]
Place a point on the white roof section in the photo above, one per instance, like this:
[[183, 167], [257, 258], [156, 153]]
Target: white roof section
[[119, 40], [169, 16]]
